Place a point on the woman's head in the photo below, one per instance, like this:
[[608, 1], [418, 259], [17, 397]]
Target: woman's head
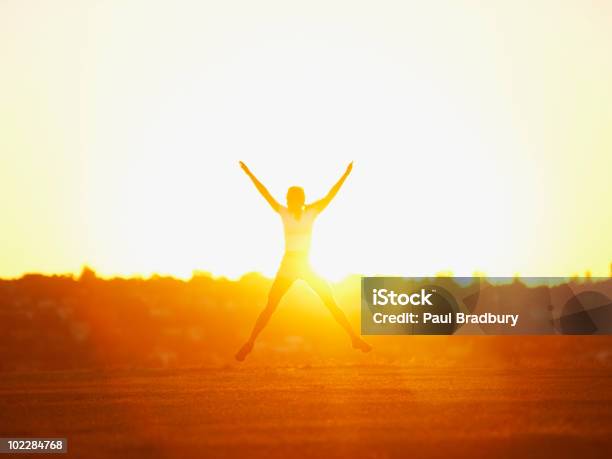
[[295, 198]]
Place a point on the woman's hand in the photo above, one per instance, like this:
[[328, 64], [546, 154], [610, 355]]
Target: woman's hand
[[244, 167]]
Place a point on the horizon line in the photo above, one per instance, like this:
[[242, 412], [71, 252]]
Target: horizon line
[[196, 273]]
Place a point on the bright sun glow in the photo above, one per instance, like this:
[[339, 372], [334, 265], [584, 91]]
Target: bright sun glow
[[481, 141]]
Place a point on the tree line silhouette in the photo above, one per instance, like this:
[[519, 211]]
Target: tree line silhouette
[[86, 322]]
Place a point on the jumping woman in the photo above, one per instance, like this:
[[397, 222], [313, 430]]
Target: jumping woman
[[298, 219]]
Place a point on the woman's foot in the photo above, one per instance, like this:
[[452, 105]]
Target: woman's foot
[[244, 351], [360, 344]]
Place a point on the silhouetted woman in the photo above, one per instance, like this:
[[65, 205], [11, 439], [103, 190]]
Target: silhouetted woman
[[298, 219]]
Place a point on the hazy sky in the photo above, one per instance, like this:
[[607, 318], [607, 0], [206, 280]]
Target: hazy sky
[[481, 134]]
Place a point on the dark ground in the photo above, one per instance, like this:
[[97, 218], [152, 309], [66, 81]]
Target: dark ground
[[351, 411]]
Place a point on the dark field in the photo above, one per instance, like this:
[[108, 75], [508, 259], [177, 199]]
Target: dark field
[[353, 411]]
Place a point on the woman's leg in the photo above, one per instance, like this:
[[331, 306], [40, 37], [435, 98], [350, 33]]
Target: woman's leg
[[279, 287], [322, 288]]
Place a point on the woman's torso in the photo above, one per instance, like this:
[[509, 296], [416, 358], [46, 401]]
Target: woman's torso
[[298, 230]]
